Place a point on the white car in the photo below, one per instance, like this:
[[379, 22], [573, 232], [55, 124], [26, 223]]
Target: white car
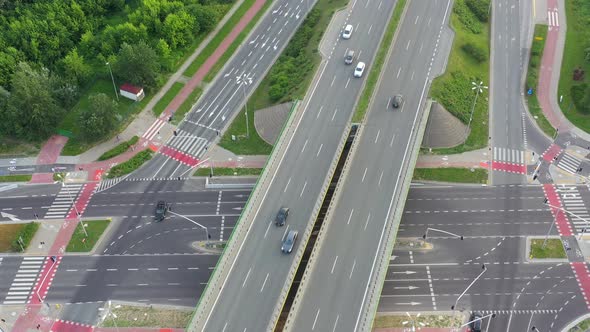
[[360, 68], [347, 31]]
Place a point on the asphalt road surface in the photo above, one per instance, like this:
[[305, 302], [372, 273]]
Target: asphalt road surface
[[259, 272], [334, 295], [224, 98]]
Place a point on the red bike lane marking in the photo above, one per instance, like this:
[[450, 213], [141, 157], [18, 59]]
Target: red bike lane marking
[[562, 223], [179, 156], [68, 326], [553, 151], [44, 280], [509, 167], [583, 277]]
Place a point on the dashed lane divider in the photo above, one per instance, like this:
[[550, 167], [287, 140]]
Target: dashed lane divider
[[564, 228]]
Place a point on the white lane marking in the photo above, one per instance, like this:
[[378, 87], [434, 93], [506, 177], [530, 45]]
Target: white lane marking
[[352, 270], [392, 138], [335, 323], [398, 72], [319, 112], [287, 186], [367, 222], [334, 265], [380, 177], [267, 228], [333, 115], [264, 283], [346, 86], [302, 190], [377, 137], [332, 84], [370, 28], [416, 21], [304, 145], [246, 279], [350, 216], [315, 320], [319, 150], [364, 174], [408, 45]]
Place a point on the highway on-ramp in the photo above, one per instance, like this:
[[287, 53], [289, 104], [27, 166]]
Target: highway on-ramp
[[259, 273], [335, 291]]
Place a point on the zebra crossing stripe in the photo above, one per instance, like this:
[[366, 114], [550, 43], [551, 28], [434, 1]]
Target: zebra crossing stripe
[[569, 163]]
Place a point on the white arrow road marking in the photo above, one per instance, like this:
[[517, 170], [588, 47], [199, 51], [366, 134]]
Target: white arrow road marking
[[406, 272], [409, 303], [10, 216], [408, 287]]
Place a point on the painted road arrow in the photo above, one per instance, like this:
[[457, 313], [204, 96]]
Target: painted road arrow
[[10, 216], [408, 287], [409, 303], [406, 272], [237, 208]]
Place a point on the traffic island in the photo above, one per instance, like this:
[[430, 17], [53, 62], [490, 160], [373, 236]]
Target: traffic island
[[411, 244], [86, 234], [138, 315], [409, 321], [16, 237], [537, 249]]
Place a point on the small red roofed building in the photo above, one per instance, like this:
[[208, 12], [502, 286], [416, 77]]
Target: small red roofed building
[[132, 92]]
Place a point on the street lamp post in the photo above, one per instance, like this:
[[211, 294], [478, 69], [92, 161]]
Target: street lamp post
[[113, 79], [63, 184], [109, 312], [535, 329], [568, 212], [413, 321], [194, 222], [453, 307], [244, 80], [478, 87]]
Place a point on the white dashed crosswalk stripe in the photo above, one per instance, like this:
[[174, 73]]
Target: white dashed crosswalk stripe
[[569, 163], [24, 280], [508, 155], [575, 207], [187, 143], [63, 201]]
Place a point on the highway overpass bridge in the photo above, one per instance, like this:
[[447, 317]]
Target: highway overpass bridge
[[341, 285]]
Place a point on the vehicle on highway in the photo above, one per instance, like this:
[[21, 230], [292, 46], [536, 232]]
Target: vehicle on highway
[[161, 210], [347, 31], [281, 217], [349, 57], [475, 320], [289, 241], [360, 68], [397, 101]]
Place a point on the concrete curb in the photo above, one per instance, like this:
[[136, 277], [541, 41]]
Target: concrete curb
[[527, 249]]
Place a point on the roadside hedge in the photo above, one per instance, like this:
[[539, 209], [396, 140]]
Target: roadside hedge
[[119, 149], [581, 97], [131, 164], [475, 52], [26, 234], [480, 8], [467, 17]]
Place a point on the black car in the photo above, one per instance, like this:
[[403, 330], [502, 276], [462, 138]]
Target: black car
[[397, 101], [289, 242], [161, 210], [475, 322], [281, 217]]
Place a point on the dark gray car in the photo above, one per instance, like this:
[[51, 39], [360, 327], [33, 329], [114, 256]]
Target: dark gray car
[[397, 101], [161, 209], [281, 217], [289, 241]]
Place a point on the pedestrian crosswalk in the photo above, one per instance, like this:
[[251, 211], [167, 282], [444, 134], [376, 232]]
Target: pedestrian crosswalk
[[188, 143], [153, 130], [569, 163], [63, 201], [24, 281], [509, 155], [573, 203], [109, 183], [553, 18]]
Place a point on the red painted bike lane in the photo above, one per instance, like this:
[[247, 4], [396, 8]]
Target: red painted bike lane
[[509, 167], [562, 224]]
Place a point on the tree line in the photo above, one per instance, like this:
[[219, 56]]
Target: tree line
[[50, 50]]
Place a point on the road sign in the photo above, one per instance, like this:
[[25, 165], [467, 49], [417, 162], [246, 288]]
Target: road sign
[[530, 92]]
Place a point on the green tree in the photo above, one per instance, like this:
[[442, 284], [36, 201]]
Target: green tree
[[164, 52], [138, 64], [179, 29], [32, 108], [9, 58], [205, 16], [75, 67], [99, 118]]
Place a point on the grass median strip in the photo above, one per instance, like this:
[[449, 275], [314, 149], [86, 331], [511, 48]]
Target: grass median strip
[[135, 316], [468, 62], [553, 249], [79, 242], [452, 174], [167, 98], [21, 238], [377, 66], [119, 149], [16, 178], [8, 233], [532, 80], [430, 321], [131, 164], [226, 171]]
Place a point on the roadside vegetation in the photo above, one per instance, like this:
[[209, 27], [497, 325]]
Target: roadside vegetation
[[468, 62], [131, 164], [429, 321], [59, 176], [8, 232], [225, 171], [16, 178], [22, 236], [167, 98], [287, 80], [79, 242], [451, 174], [576, 56], [532, 80], [553, 249], [119, 149], [186, 106], [148, 316], [57, 79], [581, 327], [376, 67]]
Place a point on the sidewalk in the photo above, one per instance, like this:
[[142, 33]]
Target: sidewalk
[[470, 159]]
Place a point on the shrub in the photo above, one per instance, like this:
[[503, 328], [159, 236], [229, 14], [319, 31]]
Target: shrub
[[467, 17], [480, 8], [131, 164], [26, 234], [119, 149], [475, 52], [580, 97]]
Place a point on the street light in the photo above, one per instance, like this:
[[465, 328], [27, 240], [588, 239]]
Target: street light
[[478, 87], [194, 222], [113, 79], [481, 319], [244, 80], [109, 312], [483, 266], [535, 329], [441, 231], [63, 184], [413, 321]]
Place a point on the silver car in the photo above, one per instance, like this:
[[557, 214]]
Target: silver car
[[349, 57], [289, 241]]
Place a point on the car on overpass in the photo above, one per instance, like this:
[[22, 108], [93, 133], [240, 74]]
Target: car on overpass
[[289, 241], [281, 217]]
